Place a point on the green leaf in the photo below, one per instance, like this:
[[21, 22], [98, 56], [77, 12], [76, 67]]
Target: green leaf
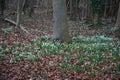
[[7, 30], [6, 51]]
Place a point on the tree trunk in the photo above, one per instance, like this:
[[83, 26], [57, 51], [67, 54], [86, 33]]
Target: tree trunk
[[31, 8], [117, 25], [18, 22], [2, 6], [60, 30], [28, 7], [18, 14], [89, 13], [118, 18]]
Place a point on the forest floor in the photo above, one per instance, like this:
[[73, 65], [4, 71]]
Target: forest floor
[[94, 53]]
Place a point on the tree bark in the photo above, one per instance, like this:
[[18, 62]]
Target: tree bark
[[18, 22], [117, 25], [60, 29], [28, 7], [31, 8], [18, 14], [118, 18], [2, 6]]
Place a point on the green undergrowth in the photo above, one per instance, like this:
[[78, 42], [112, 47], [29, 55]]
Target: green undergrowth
[[83, 54]]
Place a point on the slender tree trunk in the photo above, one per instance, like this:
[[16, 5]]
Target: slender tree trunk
[[31, 8], [118, 18], [89, 13], [60, 30], [105, 9], [117, 25], [18, 22], [24, 6], [28, 7], [2, 6], [18, 14], [71, 8]]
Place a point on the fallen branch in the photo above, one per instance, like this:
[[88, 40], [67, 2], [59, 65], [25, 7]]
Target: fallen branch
[[14, 23]]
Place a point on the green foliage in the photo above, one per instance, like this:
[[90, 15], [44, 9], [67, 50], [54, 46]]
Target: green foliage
[[31, 57], [118, 67], [45, 38], [28, 48], [4, 45], [89, 52], [65, 66], [77, 68], [39, 54], [92, 74], [7, 30], [6, 51], [87, 67], [81, 61], [3, 52], [22, 56], [17, 44]]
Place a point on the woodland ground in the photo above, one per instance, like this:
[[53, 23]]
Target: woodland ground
[[93, 54]]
